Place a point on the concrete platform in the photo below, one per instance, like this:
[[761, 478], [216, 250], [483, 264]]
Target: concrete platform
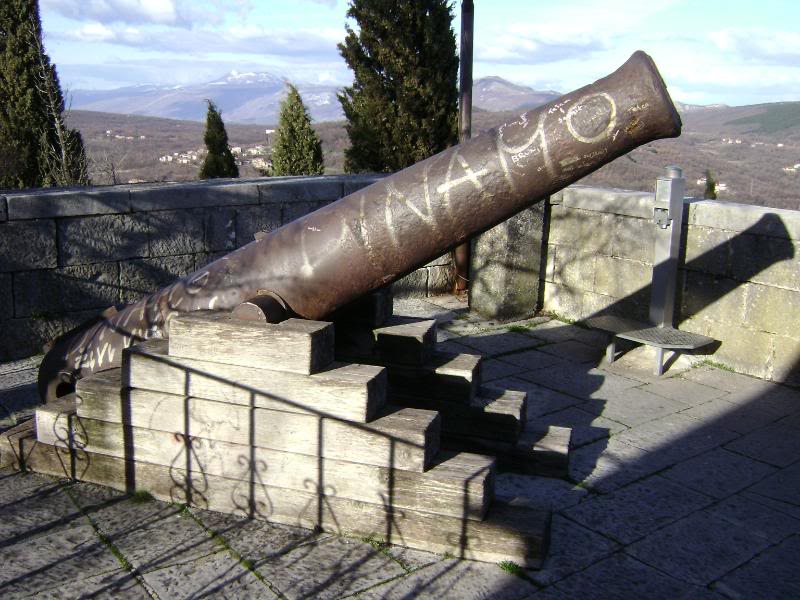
[[682, 486]]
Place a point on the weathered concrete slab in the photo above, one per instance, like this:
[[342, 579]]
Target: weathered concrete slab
[[772, 572], [295, 345], [699, 549], [639, 509], [718, 473]]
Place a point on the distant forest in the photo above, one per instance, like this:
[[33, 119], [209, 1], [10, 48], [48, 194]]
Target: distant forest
[[752, 150]]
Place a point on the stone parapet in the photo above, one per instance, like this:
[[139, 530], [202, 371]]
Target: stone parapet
[[66, 254]]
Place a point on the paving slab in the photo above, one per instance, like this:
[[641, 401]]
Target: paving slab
[[465, 580], [725, 380], [494, 368], [43, 562], [683, 390], [498, 342], [719, 472], [738, 417], [572, 548], [699, 549], [544, 492], [755, 517], [534, 359], [777, 444], [638, 509], [621, 576], [574, 351], [772, 574], [331, 568], [114, 584], [677, 436], [216, 576], [586, 427], [633, 406], [607, 465], [581, 382], [541, 400], [784, 485]]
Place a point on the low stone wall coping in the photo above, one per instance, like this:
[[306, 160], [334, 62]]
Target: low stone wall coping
[[761, 220], [608, 200], [3, 209]]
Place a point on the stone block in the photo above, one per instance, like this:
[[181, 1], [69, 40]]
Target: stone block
[[55, 291], [587, 230], [280, 190], [48, 204], [563, 300], [708, 250], [609, 200], [550, 263], [3, 209], [294, 210], [635, 306], [444, 259], [109, 237], [786, 357], [619, 277], [143, 276], [353, 183], [714, 298], [175, 232], [767, 260], [252, 219], [754, 220], [742, 349], [441, 280], [413, 285], [506, 267], [220, 229], [6, 297], [634, 239], [25, 337], [195, 194], [773, 310], [27, 245], [574, 268]]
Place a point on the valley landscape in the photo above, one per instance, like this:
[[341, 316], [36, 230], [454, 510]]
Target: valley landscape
[[752, 151]]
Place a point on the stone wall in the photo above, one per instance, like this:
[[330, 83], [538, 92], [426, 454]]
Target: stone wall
[[67, 254], [738, 279]]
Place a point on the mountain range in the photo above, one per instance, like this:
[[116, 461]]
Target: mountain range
[[256, 97]]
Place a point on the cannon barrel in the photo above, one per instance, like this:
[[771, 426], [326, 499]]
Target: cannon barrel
[[378, 234]]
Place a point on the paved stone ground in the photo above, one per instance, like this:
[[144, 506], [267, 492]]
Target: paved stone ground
[[683, 486]]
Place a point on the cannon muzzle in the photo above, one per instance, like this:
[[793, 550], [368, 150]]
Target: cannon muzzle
[[375, 236]]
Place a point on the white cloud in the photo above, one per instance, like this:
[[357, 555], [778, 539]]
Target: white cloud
[[759, 45], [181, 13]]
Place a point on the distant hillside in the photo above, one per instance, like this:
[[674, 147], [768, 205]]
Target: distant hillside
[[497, 94], [256, 97], [755, 163], [773, 118]]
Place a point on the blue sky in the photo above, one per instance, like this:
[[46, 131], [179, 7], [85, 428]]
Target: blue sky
[[709, 51]]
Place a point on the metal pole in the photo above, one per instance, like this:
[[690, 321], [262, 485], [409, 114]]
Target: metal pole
[[461, 254], [668, 216]]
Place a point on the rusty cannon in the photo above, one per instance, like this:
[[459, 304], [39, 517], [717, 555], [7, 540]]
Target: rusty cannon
[[312, 266]]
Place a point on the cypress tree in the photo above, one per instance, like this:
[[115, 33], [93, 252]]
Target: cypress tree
[[297, 149], [710, 192], [402, 106], [36, 147], [219, 161]]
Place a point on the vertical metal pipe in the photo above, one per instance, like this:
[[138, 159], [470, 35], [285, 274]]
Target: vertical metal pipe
[[668, 216], [461, 253]]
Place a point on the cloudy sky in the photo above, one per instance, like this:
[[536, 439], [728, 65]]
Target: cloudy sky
[[709, 51]]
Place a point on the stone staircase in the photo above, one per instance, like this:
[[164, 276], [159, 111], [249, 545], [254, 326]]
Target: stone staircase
[[368, 432]]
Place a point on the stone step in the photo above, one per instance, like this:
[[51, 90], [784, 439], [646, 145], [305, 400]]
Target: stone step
[[368, 311], [351, 392], [401, 340], [541, 451], [452, 377], [294, 345], [399, 436], [494, 414], [513, 531], [54, 420]]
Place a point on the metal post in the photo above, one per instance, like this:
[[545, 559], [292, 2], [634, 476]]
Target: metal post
[[461, 254], [668, 216]]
